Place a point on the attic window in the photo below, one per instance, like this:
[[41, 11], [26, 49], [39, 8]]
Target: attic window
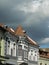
[[35, 51]]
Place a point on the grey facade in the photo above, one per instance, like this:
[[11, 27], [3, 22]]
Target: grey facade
[[19, 48]]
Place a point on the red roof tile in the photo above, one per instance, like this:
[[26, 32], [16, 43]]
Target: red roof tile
[[7, 28], [21, 32], [44, 56]]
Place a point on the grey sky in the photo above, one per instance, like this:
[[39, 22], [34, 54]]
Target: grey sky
[[33, 15]]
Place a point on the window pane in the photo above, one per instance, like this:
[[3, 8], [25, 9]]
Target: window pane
[[20, 50], [25, 54], [19, 46]]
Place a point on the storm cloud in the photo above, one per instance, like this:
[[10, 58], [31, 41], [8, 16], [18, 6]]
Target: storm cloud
[[33, 15]]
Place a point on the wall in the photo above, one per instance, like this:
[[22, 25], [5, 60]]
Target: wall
[[2, 43], [32, 63], [43, 61], [2, 47]]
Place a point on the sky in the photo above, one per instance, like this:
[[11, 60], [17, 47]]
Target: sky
[[32, 15]]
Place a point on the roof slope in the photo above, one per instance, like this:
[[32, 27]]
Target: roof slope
[[32, 41], [7, 28], [44, 52], [44, 49]]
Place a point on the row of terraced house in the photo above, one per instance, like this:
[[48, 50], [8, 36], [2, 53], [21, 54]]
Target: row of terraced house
[[16, 47]]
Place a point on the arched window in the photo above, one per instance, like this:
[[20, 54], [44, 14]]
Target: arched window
[[19, 50]]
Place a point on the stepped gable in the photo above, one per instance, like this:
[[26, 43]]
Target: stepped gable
[[7, 28], [19, 31]]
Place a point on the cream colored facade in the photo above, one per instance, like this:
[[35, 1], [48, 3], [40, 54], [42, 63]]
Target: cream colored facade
[[43, 61], [2, 47]]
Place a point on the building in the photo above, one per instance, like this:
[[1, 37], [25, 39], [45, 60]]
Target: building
[[8, 41], [27, 49], [2, 45], [17, 47], [43, 56]]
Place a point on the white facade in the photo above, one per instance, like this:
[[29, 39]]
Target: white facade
[[33, 54], [22, 50], [28, 53], [11, 48]]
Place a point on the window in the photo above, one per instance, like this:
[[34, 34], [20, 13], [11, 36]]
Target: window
[[8, 48], [40, 63], [25, 47], [35, 55], [25, 54], [6, 38], [8, 43], [14, 49], [11, 52], [31, 52], [19, 50], [35, 51], [1, 38]]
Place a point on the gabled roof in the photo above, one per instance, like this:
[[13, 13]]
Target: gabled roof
[[19, 31]]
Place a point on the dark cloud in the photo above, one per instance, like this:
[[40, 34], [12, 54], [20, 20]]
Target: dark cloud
[[35, 21]]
